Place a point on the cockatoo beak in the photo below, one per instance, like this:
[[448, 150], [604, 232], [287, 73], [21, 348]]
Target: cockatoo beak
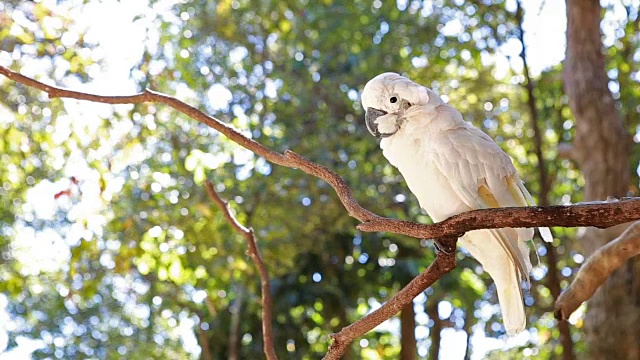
[[370, 118]]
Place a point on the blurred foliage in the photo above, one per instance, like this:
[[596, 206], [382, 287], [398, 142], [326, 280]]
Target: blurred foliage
[[133, 255]]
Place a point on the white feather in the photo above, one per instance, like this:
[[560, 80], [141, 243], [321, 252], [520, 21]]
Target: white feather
[[545, 232], [453, 167]]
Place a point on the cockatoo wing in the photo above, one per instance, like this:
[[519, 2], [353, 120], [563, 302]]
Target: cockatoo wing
[[482, 176]]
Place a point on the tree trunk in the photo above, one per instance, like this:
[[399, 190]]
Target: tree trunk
[[408, 332], [612, 323]]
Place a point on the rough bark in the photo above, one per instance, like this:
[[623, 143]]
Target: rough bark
[[408, 332], [344, 321], [612, 322]]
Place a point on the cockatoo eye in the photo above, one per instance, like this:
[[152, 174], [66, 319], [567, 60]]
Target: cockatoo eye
[[393, 100]]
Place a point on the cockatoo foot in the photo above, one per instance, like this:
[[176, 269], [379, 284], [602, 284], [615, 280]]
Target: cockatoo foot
[[445, 248]]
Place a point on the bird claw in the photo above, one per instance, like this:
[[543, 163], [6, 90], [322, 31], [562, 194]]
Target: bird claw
[[442, 248]]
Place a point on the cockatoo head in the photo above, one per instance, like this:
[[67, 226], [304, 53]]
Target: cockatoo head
[[387, 98]]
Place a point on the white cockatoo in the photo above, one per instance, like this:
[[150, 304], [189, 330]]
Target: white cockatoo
[[452, 167]]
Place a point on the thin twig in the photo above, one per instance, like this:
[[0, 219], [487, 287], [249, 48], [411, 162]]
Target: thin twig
[[248, 234], [597, 269]]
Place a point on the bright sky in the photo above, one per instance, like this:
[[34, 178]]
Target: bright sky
[[120, 48]]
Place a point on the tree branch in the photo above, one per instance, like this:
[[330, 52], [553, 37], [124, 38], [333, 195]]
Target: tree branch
[[444, 262], [597, 269], [267, 303], [288, 159], [599, 214]]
